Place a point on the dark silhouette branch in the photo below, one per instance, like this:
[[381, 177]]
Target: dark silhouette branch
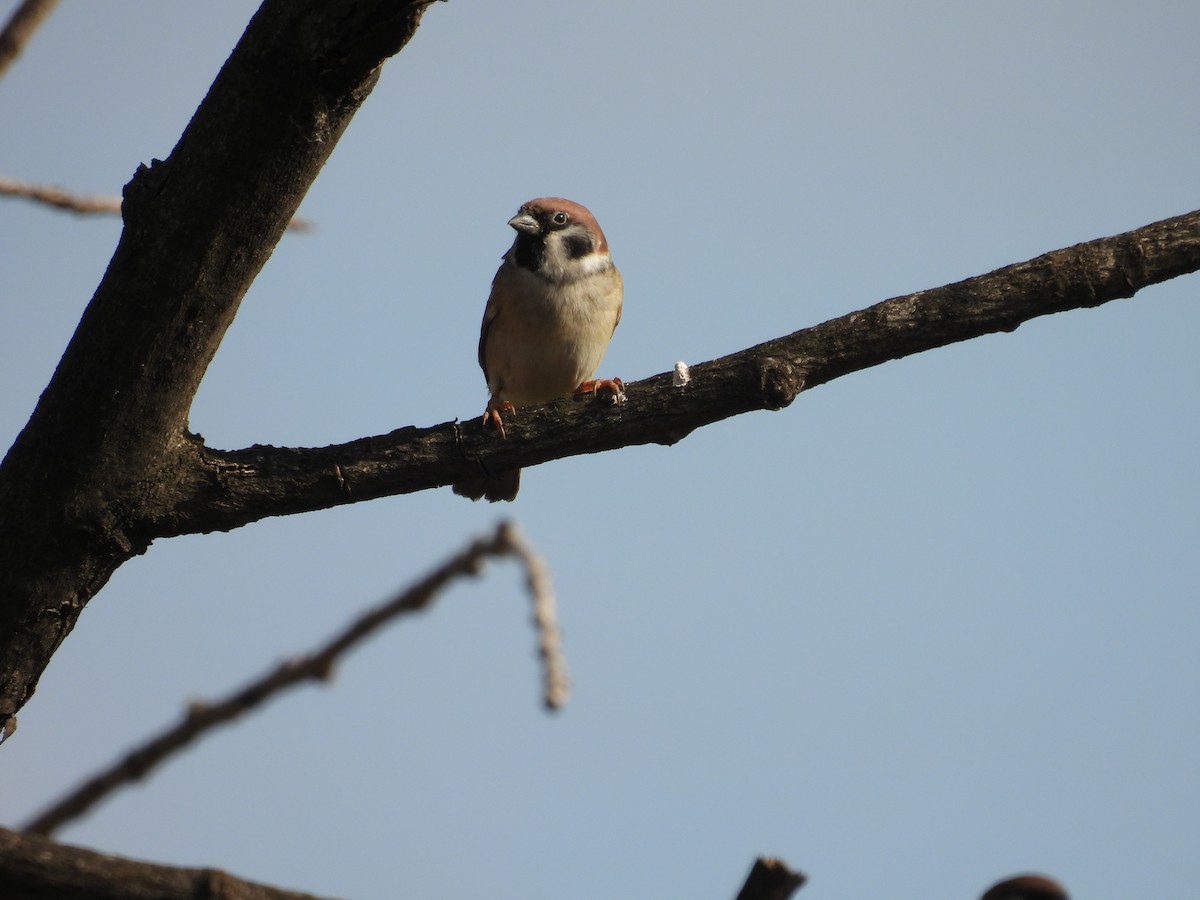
[[106, 435], [37, 868], [201, 718], [106, 465], [222, 490], [20, 28], [771, 879], [61, 198]]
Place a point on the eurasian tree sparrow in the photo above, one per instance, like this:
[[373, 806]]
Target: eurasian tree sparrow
[[1026, 887], [555, 302]]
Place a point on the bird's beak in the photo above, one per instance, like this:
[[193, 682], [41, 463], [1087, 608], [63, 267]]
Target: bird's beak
[[525, 222]]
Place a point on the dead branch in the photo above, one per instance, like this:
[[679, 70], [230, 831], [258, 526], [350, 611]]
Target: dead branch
[[61, 198], [771, 879], [318, 665], [197, 229], [105, 465], [37, 868], [20, 28]]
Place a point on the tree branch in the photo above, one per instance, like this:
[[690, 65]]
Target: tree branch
[[222, 490], [105, 464], [771, 879], [59, 197], [200, 718], [20, 28], [84, 204], [37, 868], [198, 227]]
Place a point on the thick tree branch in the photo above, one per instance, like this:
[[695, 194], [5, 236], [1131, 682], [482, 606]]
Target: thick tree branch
[[105, 464], [20, 28], [198, 227], [37, 868], [318, 665], [226, 489]]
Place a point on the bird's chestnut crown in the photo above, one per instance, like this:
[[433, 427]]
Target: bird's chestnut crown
[[558, 240]]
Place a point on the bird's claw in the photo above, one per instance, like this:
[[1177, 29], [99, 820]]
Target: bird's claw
[[614, 386], [492, 415]]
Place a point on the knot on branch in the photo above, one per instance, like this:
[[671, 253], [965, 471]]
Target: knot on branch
[[777, 381], [145, 185]]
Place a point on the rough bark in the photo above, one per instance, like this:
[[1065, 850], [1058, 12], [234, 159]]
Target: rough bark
[[105, 465], [106, 440], [221, 490], [37, 868]]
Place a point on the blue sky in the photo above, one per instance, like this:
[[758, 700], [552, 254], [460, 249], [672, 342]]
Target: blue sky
[[931, 625]]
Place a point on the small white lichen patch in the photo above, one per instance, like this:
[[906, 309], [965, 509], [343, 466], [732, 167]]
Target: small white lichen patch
[[682, 376]]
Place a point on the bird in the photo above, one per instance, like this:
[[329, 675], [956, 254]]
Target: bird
[[554, 305], [1026, 887]]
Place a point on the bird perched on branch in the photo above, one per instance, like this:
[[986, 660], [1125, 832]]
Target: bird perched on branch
[[555, 302], [1026, 887]]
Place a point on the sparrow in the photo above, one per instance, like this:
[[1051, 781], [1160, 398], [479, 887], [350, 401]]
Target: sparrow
[[554, 305], [1026, 887]]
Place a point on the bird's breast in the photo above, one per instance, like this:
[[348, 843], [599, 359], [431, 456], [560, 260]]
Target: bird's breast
[[550, 336]]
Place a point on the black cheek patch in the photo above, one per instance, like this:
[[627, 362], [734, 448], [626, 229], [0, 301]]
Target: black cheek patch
[[578, 244]]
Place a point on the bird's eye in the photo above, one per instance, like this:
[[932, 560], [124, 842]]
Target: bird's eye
[[559, 218]]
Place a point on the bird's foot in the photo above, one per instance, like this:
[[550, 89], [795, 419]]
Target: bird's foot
[[614, 386], [492, 415]]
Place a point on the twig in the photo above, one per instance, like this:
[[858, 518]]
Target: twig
[[556, 684], [318, 665], [59, 197], [771, 879], [89, 204], [20, 28]]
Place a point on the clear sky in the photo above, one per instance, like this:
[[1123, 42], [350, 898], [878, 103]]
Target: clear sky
[[932, 625]]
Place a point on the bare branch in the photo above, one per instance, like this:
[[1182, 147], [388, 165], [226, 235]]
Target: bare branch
[[105, 465], [37, 868], [226, 489], [33, 867], [197, 229], [771, 879], [20, 28], [61, 198], [318, 665], [556, 683]]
